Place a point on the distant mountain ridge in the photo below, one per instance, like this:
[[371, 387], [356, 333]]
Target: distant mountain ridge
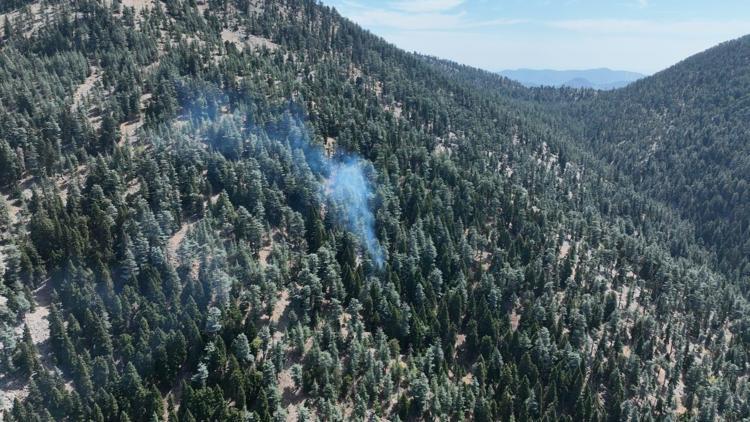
[[602, 78]]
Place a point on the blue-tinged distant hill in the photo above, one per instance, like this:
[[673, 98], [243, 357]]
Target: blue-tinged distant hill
[[590, 78]]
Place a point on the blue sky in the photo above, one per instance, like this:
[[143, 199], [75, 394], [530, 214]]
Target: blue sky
[[639, 35]]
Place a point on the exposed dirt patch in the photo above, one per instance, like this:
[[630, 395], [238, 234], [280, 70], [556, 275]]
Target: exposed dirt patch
[[266, 250], [515, 319], [9, 391], [38, 323], [279, 310], [344, 319], [38, 16], [202, 6], [661, 377], [396, 109], [129, 129], [564, 249], [63, 181], [484, 259], [264, 253], [291, 397], [458, 345], [84, 90], [138, 5], [249, 41], [133, 187], [174, 242], [679, 392], [330, 146], [13, 207]]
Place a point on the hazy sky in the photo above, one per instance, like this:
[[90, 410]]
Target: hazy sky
[[638, 35]]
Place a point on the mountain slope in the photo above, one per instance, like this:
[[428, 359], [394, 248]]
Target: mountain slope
[[255, 210], [682, 136]]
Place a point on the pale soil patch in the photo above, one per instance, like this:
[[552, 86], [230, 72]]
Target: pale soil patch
[[15, 13], [355, 72], [484, 259], [279, 308], [468, 379], [379, 89], [330, 146], [250, 41], [174, 242], [564, 249], [202, 6], [38, 17], [594, 348], [63, 181], [38, 323], [291, 397], [626, 351], [129, 129], [661, 378], [84, 90], [395, 109], [138, 5], [344, 319], [266, 250], [728, 335], [460, 340], [264, 253], [82, 96], [515, 319], [458, 345], [256, 43], [679, 392], [623, 299], [634, 306], [230, 36], [9, 391], [13, 208], [133, 187], [440, 149]]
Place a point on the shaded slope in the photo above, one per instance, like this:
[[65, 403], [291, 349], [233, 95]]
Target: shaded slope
[[683, 137]]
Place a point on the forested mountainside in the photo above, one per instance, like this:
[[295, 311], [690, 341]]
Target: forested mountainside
[[255, 210], [682, 137]]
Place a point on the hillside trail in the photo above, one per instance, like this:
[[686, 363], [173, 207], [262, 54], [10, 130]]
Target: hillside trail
[[13, 387]]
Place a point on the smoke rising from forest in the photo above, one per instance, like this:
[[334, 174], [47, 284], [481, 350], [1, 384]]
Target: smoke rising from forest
[[345, 185], [343, 176]]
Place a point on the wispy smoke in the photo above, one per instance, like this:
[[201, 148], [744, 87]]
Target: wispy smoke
[[345, 185], [344, 182]]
